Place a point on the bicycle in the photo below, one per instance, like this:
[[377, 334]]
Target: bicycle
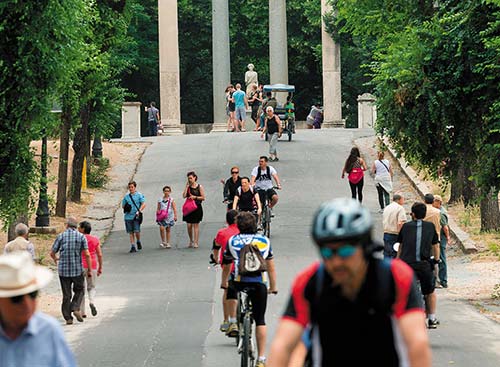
[[244, 339], [266, 214]]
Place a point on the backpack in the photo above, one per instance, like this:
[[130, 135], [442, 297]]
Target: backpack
[[251, 262], [259, 173]]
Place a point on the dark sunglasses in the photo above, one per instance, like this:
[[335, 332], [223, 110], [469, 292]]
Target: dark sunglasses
[[19, 299], [343, 252], [235, 172]]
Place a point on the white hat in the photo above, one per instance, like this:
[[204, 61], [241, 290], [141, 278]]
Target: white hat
[[19, 275]]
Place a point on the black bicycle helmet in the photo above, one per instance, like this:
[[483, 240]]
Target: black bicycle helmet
[[340, 220]]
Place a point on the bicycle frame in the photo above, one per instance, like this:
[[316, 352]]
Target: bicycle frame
[[245, 342]]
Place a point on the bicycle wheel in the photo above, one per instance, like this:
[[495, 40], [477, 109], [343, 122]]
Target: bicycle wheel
[[267, 227], [246, 360]]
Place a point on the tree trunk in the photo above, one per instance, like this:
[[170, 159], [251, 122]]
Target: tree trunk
[[457, 186], [470, 190], [490, 212], [62, 183], [80, 152]]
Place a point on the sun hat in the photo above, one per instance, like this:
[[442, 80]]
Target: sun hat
[[19, 275]]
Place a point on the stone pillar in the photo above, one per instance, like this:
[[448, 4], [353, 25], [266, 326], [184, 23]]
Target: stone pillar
[[221, 61], [278, 45], [170, 108], [131, 120], [367, 111], [332, 98]]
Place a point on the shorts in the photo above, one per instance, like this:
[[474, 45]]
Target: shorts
[[269, 193], [425, 274], [232, 293], [241, 113], [166, 223], [231, 107], [132, 226], [258, 297]]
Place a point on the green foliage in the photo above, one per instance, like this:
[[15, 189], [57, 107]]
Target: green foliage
[[98, 177]]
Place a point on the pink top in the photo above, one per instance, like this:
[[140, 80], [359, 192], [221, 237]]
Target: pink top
[[93, 243]]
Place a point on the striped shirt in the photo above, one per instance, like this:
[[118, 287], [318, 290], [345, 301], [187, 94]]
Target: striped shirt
[[70, 245]]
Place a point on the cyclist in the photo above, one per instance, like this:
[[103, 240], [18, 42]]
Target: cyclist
[[246, 199], [255, 284], [229, 298], [231, 185], [262, 180], [361, 310]]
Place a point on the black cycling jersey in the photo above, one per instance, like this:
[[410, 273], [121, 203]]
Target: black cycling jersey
[[246, 200]]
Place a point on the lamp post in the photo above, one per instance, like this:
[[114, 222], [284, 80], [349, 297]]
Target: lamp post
[[42, 212]]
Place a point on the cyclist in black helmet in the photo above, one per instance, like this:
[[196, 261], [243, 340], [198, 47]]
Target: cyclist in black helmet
[[357, 310]]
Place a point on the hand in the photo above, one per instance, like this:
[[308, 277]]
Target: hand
[[222, 181], [262, 135], [259, 211], [175, 218], [342, 176], [224, 285], [89, 273], [192, 197], [99, 271], [279, 186], [272, 291]]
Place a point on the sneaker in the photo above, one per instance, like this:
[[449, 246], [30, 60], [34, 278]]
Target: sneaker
[[69, 322], [132, 249], [93, 310], [162, 245], [78, 315], [167, 245], [243, 130], [232, 330], [432, 324], [224, 326], [139, 245], [260, 364], [380, 210], [276, 159], [84, 316]]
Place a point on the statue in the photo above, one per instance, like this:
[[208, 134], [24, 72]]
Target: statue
[[250, 79]]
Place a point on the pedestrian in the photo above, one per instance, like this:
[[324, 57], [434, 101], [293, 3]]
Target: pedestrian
[[444, 239], [166, 216], [21, 242], [230, 186], [196, 192], [153, 119], [229, 297], [241, 105], [382, 169], [433, 214], [354, 167], [419, 249], [290, 114], [393, 219], [356, 309], [269, 101], [272, 127], [70, 245], [315, 109], [28, 337], [133, 205], [230, 107], [255, 100], [96, 258]]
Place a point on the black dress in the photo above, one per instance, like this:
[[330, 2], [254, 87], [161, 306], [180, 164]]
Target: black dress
[[197, 215]]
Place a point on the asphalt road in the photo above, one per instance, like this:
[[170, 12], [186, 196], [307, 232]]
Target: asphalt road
[[163, 307]]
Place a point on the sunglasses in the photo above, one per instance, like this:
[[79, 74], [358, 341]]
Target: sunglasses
[[19, 299], [343, 252], [235, 172]]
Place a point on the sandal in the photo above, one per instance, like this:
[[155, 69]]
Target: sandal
[[190, 245], [195, 245]]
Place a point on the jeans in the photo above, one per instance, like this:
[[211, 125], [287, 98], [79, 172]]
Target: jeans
[[153, 128], [359, 188], [389, 240], [383, 197], [443, 271], [71, 300]]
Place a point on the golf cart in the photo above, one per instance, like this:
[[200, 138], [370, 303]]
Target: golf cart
[[288, 123]]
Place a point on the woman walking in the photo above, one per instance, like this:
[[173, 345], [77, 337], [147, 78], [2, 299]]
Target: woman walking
[[196, 192], [382, 170], [166, 216], [354, 167], [230, 107], [272, 126]]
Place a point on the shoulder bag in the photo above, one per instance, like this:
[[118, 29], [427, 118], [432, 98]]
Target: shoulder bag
[[162, 215], [139, 216]]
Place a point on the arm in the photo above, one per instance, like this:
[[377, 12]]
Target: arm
[[143, 205], [174, 207], [446, 231], [99, 259], [373, 170], [202, 194], [271, 270], [225, 192], [285, 340], [259, 204], [252, 181], [86, 253], [158, 207], [363, 164], [280, 128], [184, 193], [412, 327], [277, 179], [435, 251], [264, 130], [55, 249], [235, 201]]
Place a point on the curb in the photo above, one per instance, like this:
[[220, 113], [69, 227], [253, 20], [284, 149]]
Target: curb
[[461, 237]]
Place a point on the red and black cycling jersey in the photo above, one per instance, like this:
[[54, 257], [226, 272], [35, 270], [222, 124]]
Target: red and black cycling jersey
[[364, 331]]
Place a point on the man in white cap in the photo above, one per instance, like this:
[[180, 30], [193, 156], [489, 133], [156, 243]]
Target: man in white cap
[[27, 337]]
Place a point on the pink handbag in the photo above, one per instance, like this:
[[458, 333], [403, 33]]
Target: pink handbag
[[162, 215], [189, 205]]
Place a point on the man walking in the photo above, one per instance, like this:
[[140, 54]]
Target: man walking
[[153, 119], [393, 219], [133, 205], [21, 242], [241, 104], [70, 245], [418, 243], [28, 337], [444, 239], [433, 215]]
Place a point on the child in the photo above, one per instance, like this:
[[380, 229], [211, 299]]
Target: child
[[166, 205]]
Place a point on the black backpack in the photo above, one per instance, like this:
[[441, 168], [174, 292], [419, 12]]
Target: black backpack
[[259, 173]]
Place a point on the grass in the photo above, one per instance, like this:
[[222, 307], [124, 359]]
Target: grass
[[98, 176]]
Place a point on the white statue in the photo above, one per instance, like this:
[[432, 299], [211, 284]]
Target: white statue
[[250, 78]]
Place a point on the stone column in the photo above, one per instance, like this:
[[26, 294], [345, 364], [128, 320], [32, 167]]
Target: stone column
[[367, 111], [170, 108], [221, 61], [278, 45], [332, 98], [131, 120]]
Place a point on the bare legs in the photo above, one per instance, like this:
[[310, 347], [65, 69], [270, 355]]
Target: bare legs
[[194, 234], [165, 234]]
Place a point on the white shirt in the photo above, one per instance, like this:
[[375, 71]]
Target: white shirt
[[263, 182]]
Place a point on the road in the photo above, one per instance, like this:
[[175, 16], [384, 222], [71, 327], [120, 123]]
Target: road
[[163, 307]]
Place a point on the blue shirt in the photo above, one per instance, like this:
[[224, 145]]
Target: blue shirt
[[41, 344], [234, 246], [138, 198], [70, 245], [239, 98]]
